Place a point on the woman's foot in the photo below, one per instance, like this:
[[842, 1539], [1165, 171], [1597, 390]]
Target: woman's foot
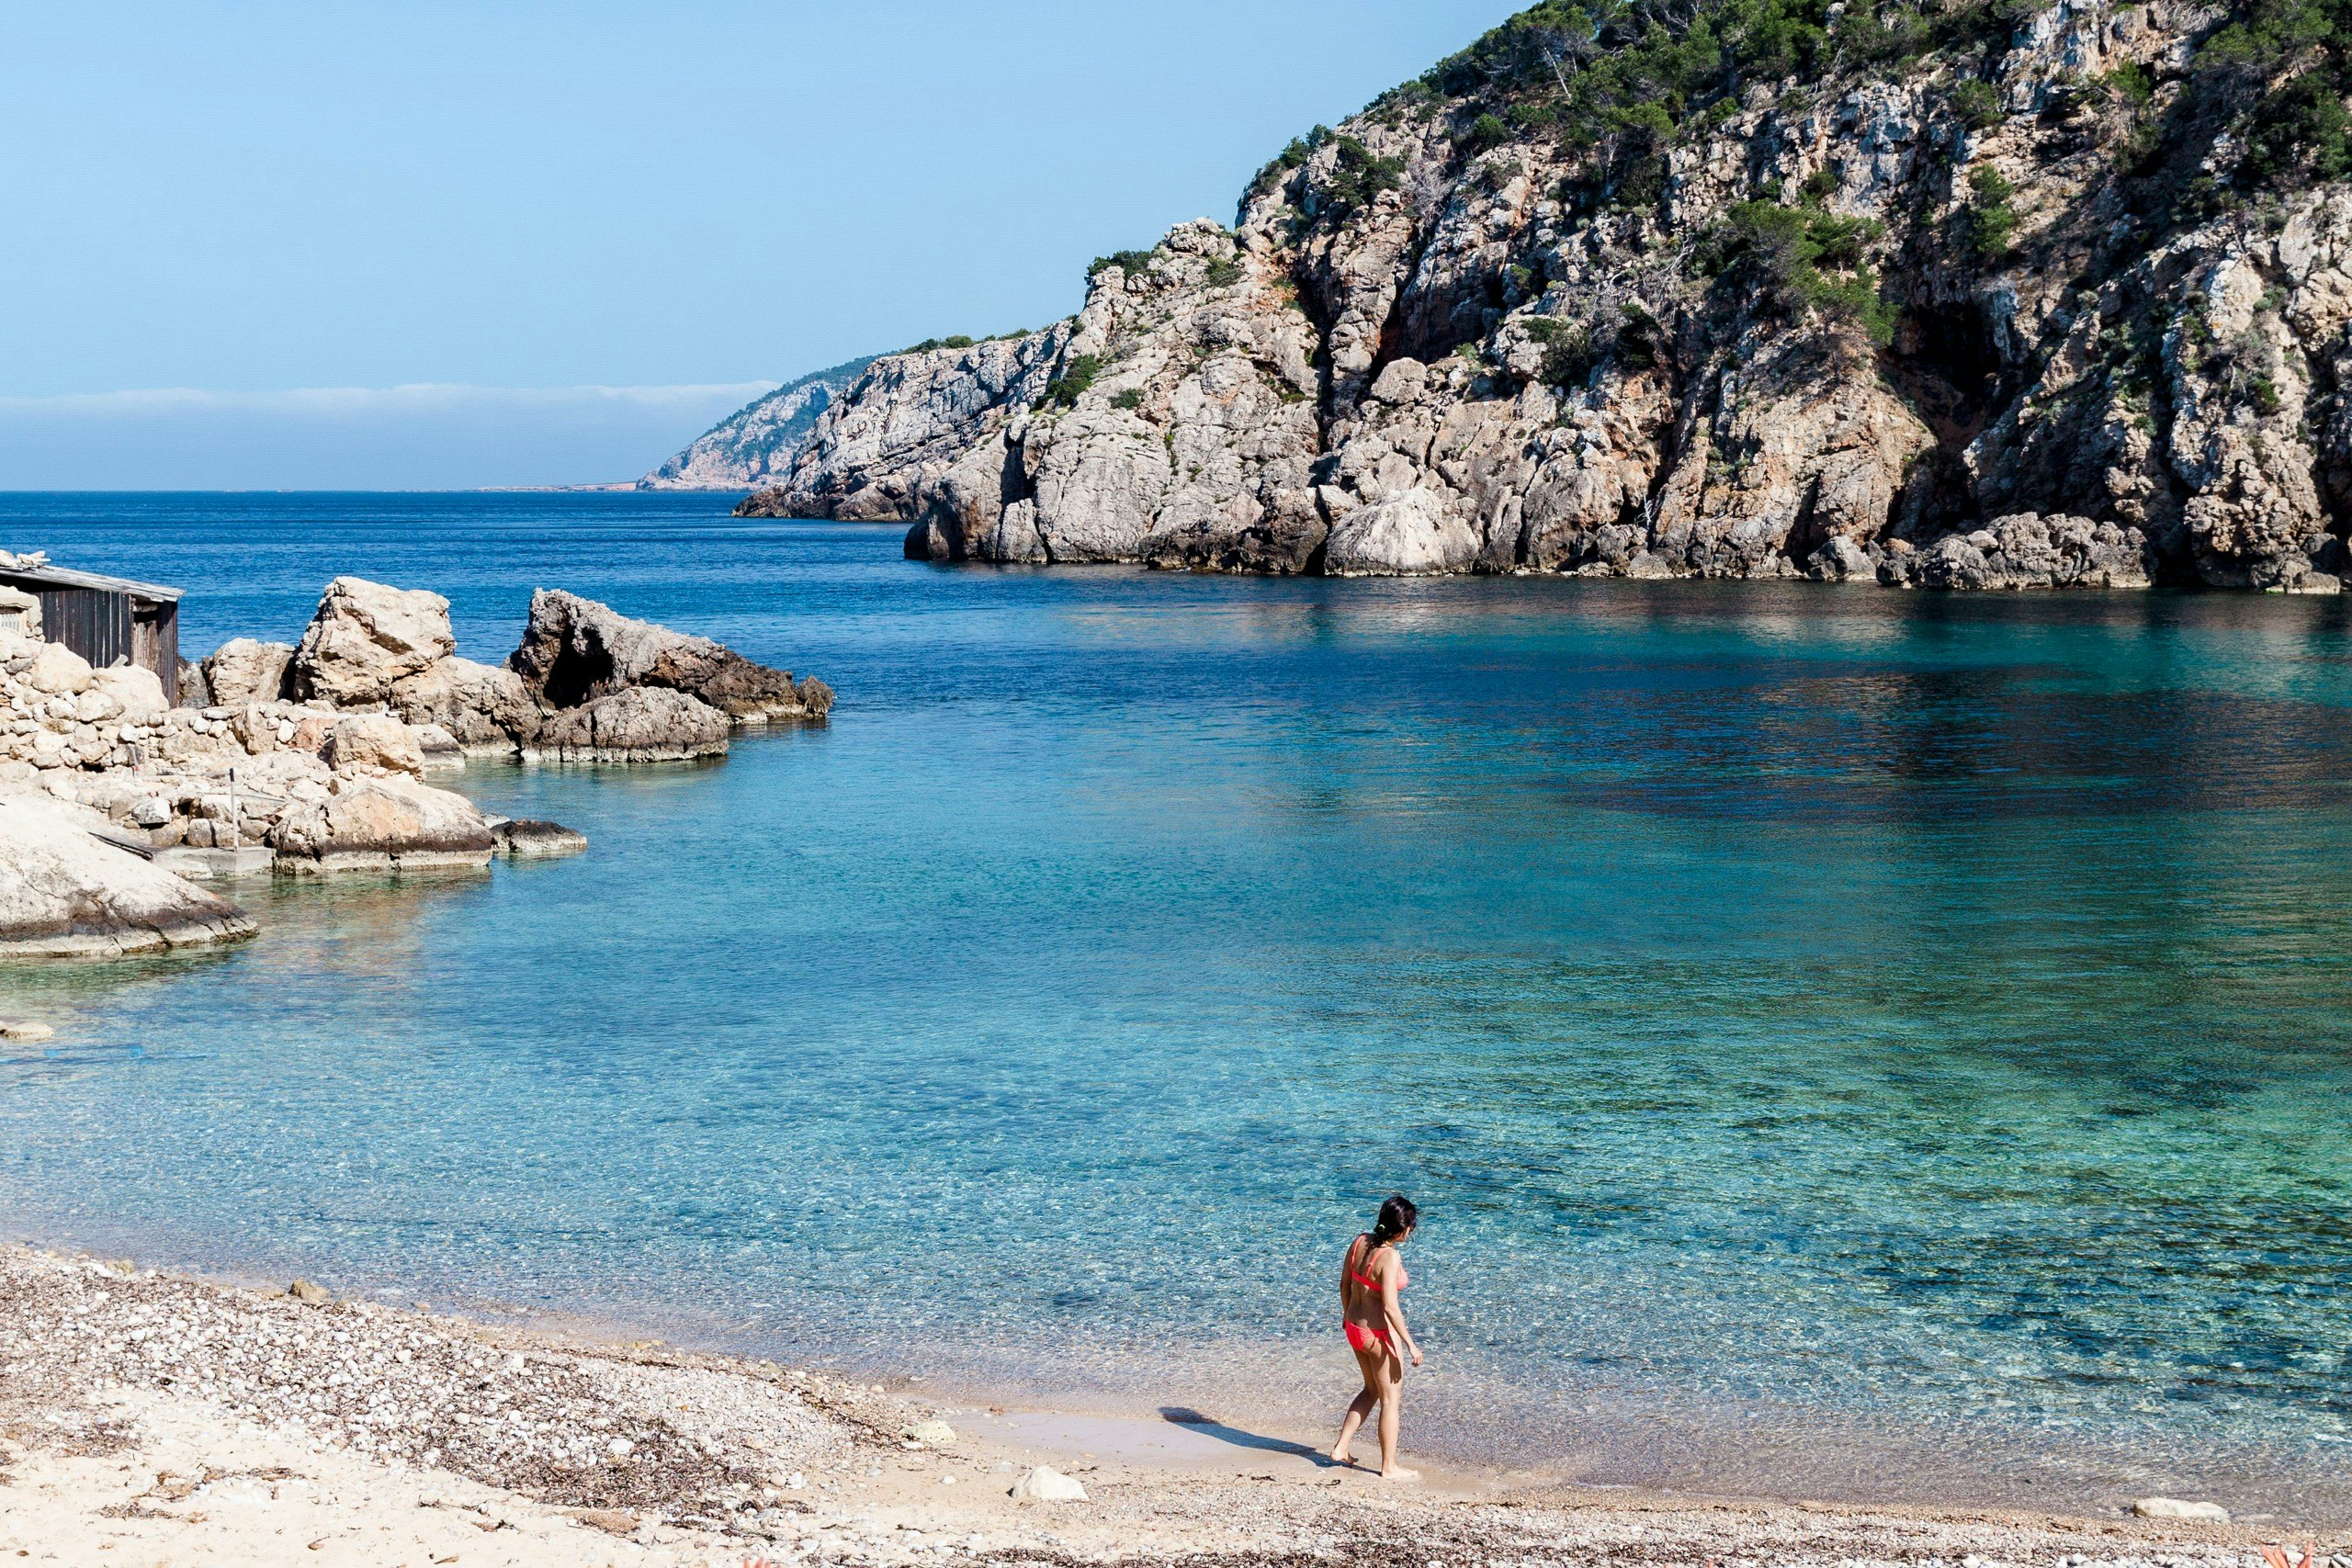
[[1400, 1473], [1341, 1456]]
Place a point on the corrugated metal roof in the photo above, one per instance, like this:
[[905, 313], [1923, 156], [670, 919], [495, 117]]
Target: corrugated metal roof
[[59, 577]]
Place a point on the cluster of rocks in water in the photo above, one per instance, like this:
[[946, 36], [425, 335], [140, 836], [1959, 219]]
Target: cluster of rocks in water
[[315, 756], [1449, 337]]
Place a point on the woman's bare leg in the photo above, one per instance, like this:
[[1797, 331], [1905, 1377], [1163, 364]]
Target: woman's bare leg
[[1392, 1415], [1359, 1407]]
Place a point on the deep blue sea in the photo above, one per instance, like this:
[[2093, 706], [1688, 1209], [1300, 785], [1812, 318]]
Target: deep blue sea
[[1844, 1042]]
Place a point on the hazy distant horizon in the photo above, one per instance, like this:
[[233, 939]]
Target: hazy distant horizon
[[394, 438]]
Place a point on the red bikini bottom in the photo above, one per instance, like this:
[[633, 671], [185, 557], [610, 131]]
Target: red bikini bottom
[[1360, 1339]]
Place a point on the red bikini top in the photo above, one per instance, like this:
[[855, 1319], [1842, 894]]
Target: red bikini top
[[1369, 1283]]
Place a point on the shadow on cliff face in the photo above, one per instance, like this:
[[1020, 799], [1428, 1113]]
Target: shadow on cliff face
[[1944, 360]]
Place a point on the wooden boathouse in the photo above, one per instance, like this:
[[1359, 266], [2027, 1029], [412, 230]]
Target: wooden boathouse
[[106, 620]]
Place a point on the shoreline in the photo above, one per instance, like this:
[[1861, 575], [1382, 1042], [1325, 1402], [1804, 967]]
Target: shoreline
[[217, 1422], [1616, 1442]]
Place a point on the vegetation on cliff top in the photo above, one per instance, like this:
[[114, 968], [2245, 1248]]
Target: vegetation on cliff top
[[2275, 73]]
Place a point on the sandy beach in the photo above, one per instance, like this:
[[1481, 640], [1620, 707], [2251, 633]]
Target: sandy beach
[[151, 1419]]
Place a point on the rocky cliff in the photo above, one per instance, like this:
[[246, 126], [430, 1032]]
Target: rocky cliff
[[755, 444], [1961, 293]]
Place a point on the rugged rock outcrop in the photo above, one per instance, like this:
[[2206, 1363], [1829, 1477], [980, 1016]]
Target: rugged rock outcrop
[[636, 723], [527, 838], [67, 892], [576, 650], [365, 639], [374, 741], [905, 422], [1951, 293], [755, 444], [388, 823], [242, 671], [321, 782], [485, 707]]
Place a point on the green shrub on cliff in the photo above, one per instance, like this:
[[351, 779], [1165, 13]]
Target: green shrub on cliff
[[1991, 220], [1359, 177], [1976, 104], [1077, 375], [1568, 350], [1129, 262], [1486, 134], [1890, 36], [2297, 132], [1782, 252], [2281, 70], [1291, 157]]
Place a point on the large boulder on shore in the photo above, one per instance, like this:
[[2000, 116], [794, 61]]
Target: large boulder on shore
[[66, 892], [482, 706], [576, 650], [125, 695], [59, 672], [365, 639], [390, 823], [242, 671], [637, 724], [373, 742]]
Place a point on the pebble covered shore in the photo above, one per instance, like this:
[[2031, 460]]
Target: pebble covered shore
[[382, 1427]]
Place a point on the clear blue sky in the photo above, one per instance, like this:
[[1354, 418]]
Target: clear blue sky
[[675, 198]]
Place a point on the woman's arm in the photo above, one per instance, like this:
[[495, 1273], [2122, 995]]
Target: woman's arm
[[1393, 1309]]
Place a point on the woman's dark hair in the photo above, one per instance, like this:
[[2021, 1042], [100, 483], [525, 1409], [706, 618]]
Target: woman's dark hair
[[1397, 1216]]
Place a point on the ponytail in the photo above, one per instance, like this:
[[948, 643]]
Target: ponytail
[[1397, 1216]]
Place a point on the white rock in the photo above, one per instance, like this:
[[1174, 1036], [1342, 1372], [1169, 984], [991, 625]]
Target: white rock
[[65, 893], [242, 671], [59, 671], [374, 740], [2174, 1508], [136, 695], [383, 823], [365, 636], [1046, 1484], [479, 705], [1401, 382], [931, 1432], [25, 1031], [1405, 535]]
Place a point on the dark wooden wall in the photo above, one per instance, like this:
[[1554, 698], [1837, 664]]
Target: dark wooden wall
[[103, 628], [93, 623]]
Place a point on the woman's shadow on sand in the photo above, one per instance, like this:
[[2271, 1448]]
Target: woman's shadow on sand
[[1209, 1426]]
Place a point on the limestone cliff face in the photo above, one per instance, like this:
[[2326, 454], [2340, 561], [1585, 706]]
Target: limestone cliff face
[[1949, 295], [755, 444]]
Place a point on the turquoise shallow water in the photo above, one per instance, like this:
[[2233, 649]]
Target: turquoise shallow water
[[1845, 1042]]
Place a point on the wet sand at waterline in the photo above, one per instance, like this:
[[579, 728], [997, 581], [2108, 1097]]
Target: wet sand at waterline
[[147, 1418]]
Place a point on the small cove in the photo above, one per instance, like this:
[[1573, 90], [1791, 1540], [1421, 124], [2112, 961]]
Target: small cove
[[1883, 1041]]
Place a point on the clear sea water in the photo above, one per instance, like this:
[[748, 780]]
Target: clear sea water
[[1845, 1042]]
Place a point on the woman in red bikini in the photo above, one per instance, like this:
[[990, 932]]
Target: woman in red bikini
[[1375, 1321]]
